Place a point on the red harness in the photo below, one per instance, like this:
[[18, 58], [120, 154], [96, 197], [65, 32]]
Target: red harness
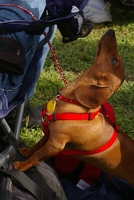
[[80, 116]]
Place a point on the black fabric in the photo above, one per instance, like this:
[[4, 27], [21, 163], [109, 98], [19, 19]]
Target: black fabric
[[72, 25], [67, 14], [60, 8], [38, 183], [105, 188], [12, 56], [73, 176], [24, 181], [74, 28]]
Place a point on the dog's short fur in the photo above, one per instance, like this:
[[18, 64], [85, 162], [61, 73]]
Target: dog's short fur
[[91, 89]]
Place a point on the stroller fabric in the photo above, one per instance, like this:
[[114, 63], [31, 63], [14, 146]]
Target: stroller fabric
[[11, 85], [16, 23], [12, 56], [38, 183]]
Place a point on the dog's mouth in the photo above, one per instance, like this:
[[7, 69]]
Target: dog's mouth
[[112, 84], [110, 33], [103, 86]]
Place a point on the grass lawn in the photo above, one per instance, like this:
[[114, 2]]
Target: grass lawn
[[77, 56]]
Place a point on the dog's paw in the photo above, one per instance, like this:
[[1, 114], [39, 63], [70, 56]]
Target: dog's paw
[[25, 152], [19, 166]]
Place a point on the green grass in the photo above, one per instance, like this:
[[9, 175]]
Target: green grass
[[77, 56]]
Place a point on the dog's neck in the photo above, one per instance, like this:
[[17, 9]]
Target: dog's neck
[[68, 92]]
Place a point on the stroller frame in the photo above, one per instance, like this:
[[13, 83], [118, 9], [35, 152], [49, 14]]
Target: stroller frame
[[30, 27], [13, 136]]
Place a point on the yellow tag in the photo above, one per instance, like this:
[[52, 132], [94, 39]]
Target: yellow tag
[[51, 106]]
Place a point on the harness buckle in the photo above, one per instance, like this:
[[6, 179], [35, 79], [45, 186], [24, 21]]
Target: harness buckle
[[54, 117], [116, 127]]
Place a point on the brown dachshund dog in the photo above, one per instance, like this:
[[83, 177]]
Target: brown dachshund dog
[[84, 96]]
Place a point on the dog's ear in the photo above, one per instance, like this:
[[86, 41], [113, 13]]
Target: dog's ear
[[93, 96]]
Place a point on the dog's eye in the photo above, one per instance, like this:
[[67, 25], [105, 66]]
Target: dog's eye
[[114, 61]]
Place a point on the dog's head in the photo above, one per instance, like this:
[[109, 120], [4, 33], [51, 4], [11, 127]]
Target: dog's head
[[100, 81]]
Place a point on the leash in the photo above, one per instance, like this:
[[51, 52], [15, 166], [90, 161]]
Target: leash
[[49, 43], [57, 63]]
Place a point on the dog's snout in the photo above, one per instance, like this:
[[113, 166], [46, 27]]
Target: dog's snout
[[111, 32]]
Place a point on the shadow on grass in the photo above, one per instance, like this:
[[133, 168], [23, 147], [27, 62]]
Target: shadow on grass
[[121, 17]]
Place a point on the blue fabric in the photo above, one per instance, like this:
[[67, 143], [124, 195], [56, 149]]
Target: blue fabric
[[105, 189], [10, 85]]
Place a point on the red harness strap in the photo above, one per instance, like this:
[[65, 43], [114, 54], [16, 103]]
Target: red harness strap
[[69, 116], [101, 149], [80, 116], [64, 116]]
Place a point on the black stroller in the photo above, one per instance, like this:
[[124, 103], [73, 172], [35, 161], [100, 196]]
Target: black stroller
[[8, 137]]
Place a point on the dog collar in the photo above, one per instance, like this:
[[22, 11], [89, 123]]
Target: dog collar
[[63, 98]]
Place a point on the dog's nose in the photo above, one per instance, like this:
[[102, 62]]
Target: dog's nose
[[111, 32]]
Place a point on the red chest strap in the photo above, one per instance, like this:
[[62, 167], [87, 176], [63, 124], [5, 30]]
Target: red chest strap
[[101, 149], [78, 116], [69, 116], [64, 116]]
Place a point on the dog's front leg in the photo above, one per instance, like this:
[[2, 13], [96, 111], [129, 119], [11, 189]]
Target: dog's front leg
[[50, 149], [26, 152]]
